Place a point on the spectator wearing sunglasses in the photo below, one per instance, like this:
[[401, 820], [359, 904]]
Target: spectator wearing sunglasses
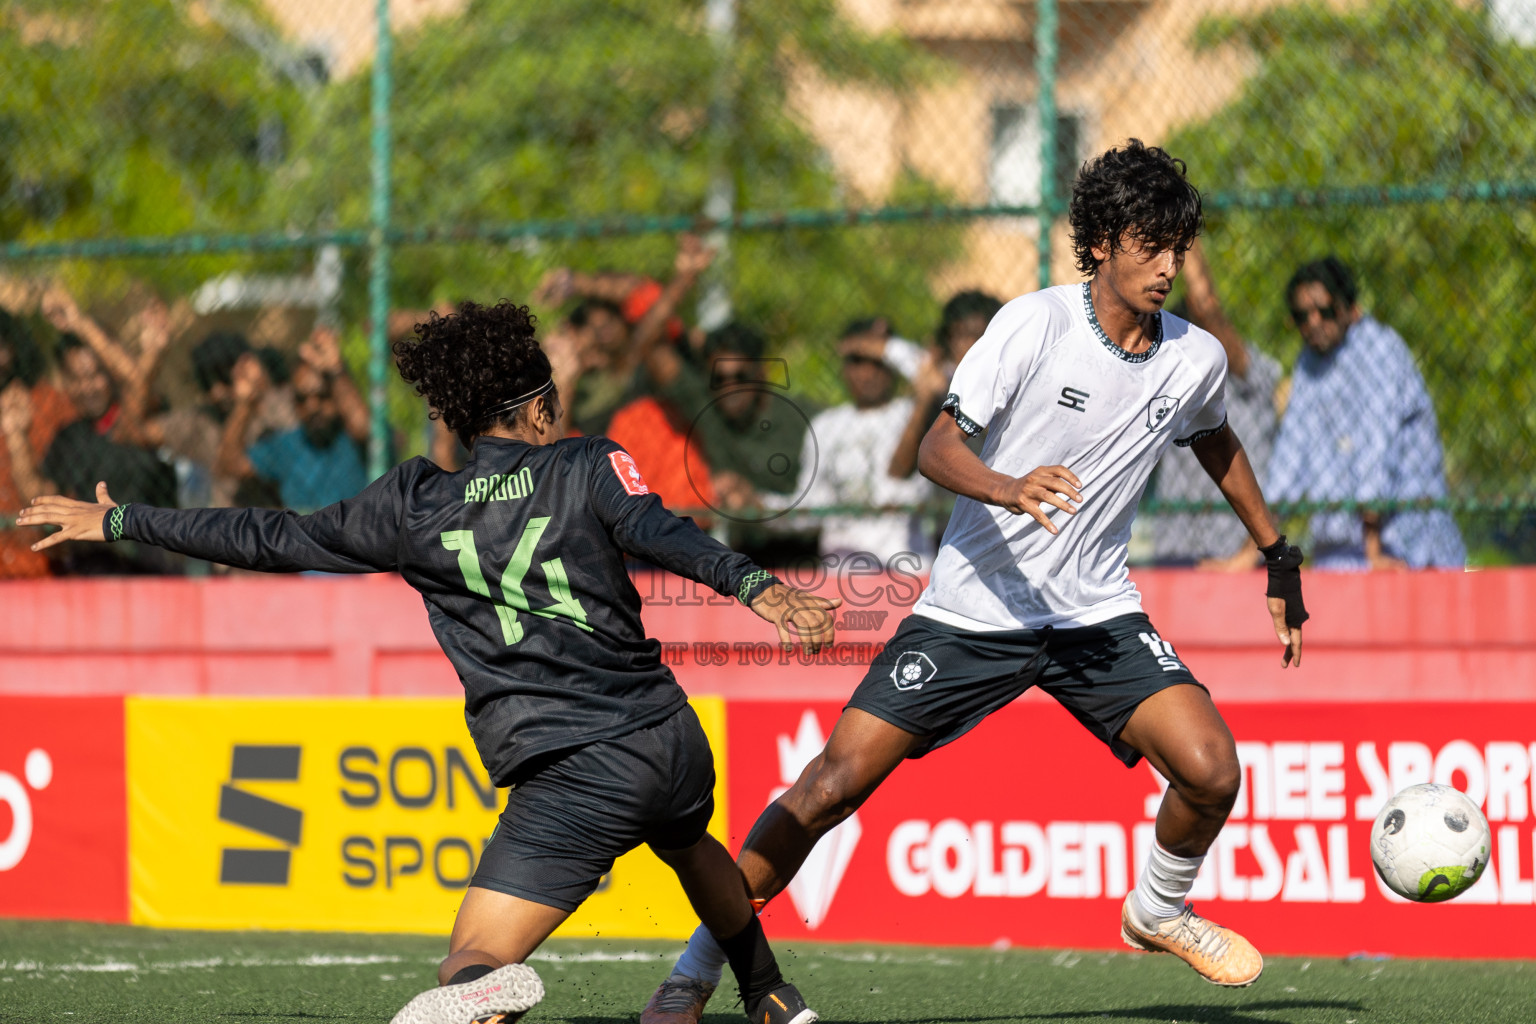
[[1360, 427]]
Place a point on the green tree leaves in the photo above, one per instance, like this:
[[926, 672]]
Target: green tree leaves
[[1412, 92]]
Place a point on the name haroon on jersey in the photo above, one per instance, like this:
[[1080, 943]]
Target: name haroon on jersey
[[500, 486]]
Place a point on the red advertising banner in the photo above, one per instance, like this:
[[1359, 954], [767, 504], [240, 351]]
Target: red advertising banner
[[1027, 831], [63, 808]]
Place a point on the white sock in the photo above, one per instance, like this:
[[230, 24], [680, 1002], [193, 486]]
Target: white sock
[[703, 960], [1165, 882]]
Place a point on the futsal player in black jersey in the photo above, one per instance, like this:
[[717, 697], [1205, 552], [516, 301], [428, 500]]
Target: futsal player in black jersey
[[519, 558]]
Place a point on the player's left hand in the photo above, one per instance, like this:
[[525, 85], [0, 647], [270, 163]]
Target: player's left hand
[[76, 520], [1284, 596], [799, 616], [1289, 635]]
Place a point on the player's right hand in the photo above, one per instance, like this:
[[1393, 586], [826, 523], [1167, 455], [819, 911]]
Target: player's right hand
[[76, 520], [800, 617], [1047, 486]]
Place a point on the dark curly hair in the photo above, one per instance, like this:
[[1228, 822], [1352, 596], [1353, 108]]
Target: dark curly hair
[[473, 360], [1138, 192]]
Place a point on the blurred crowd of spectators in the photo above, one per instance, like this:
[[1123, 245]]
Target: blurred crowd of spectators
[[711, 419]]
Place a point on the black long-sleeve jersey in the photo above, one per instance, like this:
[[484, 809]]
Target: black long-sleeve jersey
[[519, 558]]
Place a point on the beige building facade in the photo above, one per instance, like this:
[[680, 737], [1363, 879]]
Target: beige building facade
[[1125, 68]]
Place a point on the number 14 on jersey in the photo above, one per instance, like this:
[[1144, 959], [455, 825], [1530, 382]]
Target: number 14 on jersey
[[513, 599]]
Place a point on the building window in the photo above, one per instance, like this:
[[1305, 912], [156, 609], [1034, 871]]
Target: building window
[[1013, 169]]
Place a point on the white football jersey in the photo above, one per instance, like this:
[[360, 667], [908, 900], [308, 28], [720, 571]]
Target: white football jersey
[[1051, 389]]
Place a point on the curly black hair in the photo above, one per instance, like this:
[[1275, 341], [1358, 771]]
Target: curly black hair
[[471, 361], [1137, 192]]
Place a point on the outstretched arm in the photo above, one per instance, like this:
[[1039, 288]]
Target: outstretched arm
[[356, 535], [639, 524], [1222, 457]]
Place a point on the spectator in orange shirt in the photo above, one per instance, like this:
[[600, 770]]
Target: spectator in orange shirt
[[31, 413]]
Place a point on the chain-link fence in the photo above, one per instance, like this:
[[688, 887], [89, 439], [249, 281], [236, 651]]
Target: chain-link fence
[[216, 214]]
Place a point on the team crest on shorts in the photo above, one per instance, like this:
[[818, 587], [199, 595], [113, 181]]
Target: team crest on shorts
[[1160, 411], [913, 669]]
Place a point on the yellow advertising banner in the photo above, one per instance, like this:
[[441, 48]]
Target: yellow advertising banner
[[344, 815]]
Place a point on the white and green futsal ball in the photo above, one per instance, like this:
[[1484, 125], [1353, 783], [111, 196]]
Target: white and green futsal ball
[[1430, 843]]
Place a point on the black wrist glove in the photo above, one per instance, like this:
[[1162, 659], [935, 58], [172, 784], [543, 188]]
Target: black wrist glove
[[1284, 563]]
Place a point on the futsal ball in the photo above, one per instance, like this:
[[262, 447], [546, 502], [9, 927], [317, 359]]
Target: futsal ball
[[1430, 843]]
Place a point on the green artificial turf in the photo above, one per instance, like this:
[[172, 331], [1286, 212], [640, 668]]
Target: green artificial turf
[[78, 973]]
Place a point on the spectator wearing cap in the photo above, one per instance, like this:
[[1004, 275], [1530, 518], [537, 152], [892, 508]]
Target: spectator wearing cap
[[846, 457], [962, 322], [1359, 427]]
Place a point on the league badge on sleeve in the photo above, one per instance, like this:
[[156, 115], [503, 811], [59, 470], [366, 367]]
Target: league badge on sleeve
[[628, 473]]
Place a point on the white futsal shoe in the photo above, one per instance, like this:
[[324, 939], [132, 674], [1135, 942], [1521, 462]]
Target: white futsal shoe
[[500, 997]]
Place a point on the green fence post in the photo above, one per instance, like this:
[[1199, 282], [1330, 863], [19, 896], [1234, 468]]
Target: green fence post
[[1045, 73], [378, 251]]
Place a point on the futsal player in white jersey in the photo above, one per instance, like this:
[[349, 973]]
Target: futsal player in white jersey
[[1079, 389]]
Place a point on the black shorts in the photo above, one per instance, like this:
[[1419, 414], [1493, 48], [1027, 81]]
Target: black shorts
[[939, 682], [564, 827]]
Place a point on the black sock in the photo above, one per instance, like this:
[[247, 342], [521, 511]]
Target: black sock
[[757, 972], [470, 973]]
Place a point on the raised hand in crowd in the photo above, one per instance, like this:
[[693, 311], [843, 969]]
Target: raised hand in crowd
[[663, 361], [16, 425], [930, 384], [562, 284], [556, 287], [932, 380], [572, 354], [248, 383], [59, 308], [154, 324], [322, 353]]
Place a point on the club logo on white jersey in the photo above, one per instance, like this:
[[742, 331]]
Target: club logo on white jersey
[[913, 669], [1075, 399], [812, 889], [1160, 411]]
